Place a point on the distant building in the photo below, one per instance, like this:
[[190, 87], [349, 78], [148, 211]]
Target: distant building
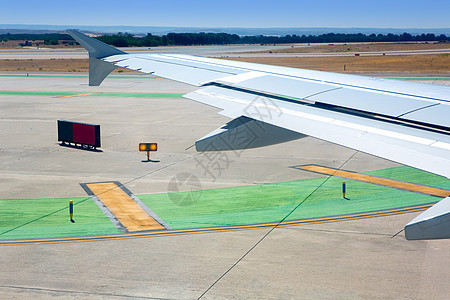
[[67, 42]]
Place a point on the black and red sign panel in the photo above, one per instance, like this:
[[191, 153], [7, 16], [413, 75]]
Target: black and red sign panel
[[79, 133]]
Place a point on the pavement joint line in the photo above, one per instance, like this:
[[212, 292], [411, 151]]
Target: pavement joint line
[[121, 207], [402, 185], [176, 232]]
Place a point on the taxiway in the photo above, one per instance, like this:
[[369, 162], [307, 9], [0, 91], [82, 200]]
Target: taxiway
[[340, 260]]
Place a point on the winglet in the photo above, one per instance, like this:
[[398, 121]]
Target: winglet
[[434, 223], [98, 69], [96, 48]]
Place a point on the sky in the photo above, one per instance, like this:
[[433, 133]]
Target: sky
[[230, 13]]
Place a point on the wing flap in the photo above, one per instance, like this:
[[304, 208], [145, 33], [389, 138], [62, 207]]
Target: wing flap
[[411, 146], [377, 102], [363, 94], [426, 91]]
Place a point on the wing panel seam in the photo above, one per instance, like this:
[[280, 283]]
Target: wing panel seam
[[417, 109], [322, 92]]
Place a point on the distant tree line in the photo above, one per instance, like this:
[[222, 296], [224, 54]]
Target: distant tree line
[[48, 38], [186, 39], [175, 39]]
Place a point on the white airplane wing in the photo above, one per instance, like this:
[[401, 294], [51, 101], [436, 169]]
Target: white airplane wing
[[404, 122]]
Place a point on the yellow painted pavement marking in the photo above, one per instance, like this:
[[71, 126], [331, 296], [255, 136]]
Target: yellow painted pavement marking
[[123, 207], [377, 180], [78, 95]]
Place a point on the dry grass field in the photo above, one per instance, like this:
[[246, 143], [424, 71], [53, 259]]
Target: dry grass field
[[432, 64], [375, 47], [48, 65], [415, 64]]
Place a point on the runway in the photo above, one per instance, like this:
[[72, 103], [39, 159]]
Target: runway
[[303, 258], [209, 51]]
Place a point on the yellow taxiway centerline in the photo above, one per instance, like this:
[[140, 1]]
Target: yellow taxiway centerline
[[77, 95], [123, 207], [427, 190]]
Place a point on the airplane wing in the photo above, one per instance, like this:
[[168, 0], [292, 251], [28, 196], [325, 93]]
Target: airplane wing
[[405, 122]]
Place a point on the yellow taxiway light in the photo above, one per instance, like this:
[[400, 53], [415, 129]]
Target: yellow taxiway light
[[148, 147]]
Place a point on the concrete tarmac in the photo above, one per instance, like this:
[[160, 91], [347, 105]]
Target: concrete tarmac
[[344, 260]]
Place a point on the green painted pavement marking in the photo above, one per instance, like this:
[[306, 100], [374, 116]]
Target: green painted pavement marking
[[418, 79], [60, 94], [137, 95], [272, 202], [34, 218], [39, 218], [81, 76]]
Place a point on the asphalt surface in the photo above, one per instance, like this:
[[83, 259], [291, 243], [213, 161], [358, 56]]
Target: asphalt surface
[[344, 260]]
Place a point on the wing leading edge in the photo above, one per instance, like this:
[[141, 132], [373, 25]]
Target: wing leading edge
[[400, 121]]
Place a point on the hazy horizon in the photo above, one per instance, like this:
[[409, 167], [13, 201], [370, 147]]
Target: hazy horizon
[[233, 13], [235, 30]]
